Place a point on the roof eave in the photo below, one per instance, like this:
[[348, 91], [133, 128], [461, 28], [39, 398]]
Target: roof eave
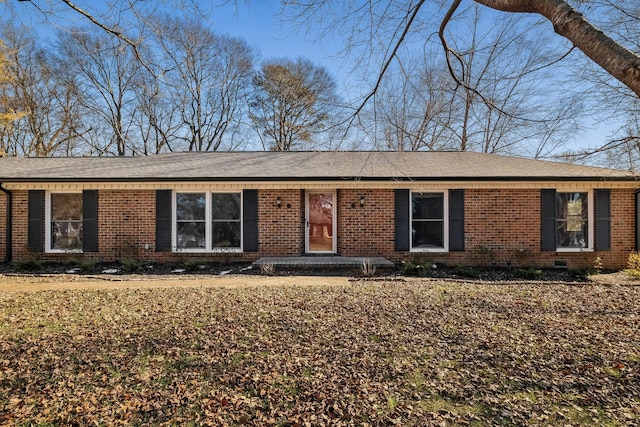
[[328, 178]]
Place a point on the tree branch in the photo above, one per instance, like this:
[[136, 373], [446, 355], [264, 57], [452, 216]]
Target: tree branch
[[614, 58]]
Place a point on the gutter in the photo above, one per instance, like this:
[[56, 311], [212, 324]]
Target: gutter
[[9, 253], [601, 178]]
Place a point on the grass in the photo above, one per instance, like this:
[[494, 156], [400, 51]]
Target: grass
[[380, 353]]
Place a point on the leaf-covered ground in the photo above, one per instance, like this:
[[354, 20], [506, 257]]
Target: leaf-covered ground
[[370, 353]]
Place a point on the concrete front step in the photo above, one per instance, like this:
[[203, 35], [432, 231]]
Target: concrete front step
[[322, 262]]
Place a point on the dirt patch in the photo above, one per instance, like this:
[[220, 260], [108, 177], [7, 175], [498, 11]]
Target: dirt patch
[[34, 282], [617, 278]]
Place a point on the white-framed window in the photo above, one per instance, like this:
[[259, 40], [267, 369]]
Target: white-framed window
[[207, 221], [429, 221], [574, 219], [63, 217]]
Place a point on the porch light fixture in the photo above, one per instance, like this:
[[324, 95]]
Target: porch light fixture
[[278, 202], [362, 201]]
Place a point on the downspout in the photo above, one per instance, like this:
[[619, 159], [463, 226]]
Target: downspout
[[8, 253]]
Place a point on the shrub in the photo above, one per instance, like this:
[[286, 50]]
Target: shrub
[[528, 273], [418, 267], [28, 265], [467, 272], [130, 265], [633, 264], [368, 268], [194, 265], [86, 266], [267, 269]]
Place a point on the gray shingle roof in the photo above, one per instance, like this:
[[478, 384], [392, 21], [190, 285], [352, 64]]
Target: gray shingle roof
[[340, 165]]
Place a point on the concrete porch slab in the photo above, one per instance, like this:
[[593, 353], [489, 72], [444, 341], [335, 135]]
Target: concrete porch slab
[[323, 262]]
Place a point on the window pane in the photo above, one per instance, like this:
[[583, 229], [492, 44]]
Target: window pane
[[66, 206], [428, 206], [427, 234], [572, 220], [225, 206], [66, 221], [190, 206], [226, 234], [66, 235], [191, 235]]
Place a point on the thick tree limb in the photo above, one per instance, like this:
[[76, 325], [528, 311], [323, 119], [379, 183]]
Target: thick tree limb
[[614, 58]]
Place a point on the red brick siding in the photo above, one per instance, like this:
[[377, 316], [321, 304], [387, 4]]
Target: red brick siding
[[368, 230], [502, 227], [281, 229], [623, 229], [126, 224], [3, 226], [19, 226]]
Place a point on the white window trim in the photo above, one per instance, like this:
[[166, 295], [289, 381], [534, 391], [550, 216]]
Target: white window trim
[[445, 215], [47, 224], [208, 229], [590, 219]]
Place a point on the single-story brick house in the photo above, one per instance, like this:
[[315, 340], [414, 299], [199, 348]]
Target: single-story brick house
[[450, 207]]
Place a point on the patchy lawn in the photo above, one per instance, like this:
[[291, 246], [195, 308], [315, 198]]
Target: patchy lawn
[[411, 352]]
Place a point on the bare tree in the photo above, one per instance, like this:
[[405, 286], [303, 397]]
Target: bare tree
[[50, 123], [611, 55], [291, 102], [156, 119], [412, 108], [391, 24], [505, 87], [106, 71], [119, 19], [206, 75], [500, 105]]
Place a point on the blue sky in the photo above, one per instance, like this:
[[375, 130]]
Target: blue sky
[[259, 23]]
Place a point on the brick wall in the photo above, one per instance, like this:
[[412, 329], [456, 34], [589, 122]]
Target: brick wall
[[281, 229], [502, 227], [3, 226], [368, 230], [19, 226], [623, 229], [126, 224]]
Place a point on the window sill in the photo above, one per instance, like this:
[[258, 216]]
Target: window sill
[[429, 250], [210, 251], [575, 250], [63, 251]]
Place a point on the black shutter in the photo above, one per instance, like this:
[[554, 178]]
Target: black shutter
[[90, 221], [456, 220], [250, 220], [603, 219], [402, 206], [548, 210], [35, 229], [163, 220]]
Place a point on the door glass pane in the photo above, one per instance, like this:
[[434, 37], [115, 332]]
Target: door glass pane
[[320, 230]]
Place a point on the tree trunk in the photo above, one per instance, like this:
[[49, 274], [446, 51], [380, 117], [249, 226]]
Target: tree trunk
[[614, 58]]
